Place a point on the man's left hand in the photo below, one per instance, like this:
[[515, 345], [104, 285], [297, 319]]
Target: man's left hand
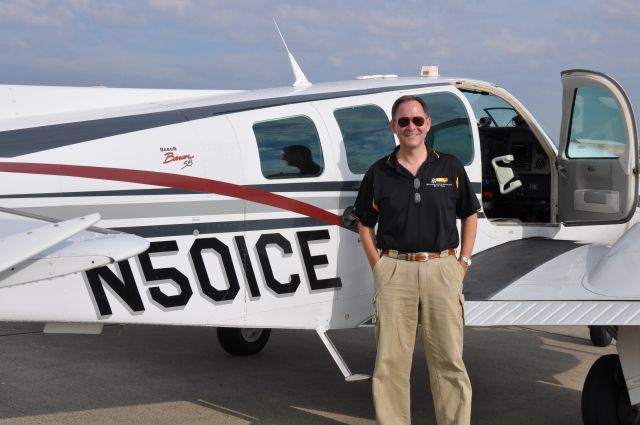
[[464, 265]]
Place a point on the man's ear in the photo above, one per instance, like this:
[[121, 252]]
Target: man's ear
[[428, 125], [392, 126]]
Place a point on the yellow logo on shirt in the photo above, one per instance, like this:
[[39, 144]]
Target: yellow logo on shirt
[[439, 182]]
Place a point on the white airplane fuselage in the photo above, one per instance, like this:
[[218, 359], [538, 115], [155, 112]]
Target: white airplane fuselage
[[230, 246]]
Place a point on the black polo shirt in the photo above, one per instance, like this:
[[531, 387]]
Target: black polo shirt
[[387, 197]]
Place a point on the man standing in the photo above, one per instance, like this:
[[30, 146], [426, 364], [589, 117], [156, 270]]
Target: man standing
[[415, 195]]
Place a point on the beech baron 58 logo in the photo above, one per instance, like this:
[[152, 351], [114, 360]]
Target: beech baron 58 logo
[[127, 287], [170, 156]]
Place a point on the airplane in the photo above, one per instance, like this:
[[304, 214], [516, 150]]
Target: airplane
[[232, 209]]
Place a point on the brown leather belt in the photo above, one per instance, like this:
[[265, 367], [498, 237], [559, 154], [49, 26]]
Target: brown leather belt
[[418, 256]]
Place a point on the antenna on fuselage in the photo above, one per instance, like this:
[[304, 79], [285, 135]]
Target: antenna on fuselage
[[301, 80]]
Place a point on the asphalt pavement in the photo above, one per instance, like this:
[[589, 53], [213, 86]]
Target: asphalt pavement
[[180, 375]]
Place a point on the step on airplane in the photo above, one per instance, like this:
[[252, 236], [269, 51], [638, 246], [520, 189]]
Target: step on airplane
[[232, 209]]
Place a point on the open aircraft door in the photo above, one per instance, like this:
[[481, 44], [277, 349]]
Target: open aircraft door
[[597, 161]]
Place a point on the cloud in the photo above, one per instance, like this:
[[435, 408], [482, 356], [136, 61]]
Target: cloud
[[11, 43], [69, 15], [115, 14], [577, 36], [379, 22], [37, 13], [508, 42], [179, 8], [619, 8], [233, 44]]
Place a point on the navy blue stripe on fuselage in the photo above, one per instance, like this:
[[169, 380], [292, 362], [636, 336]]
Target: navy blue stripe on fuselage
[[337, 186], [196, 229], [36, 139], [134, 192], [219, 227]]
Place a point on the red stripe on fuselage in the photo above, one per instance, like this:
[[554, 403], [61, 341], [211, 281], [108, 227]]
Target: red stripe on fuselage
[[176, 181]]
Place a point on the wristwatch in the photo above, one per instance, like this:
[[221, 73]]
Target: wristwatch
[[466, 260]]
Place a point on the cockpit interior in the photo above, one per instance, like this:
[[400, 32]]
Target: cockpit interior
[[516, 173]]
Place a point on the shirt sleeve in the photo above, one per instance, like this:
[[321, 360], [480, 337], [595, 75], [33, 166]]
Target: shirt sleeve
[[467, 203], [365, 209]]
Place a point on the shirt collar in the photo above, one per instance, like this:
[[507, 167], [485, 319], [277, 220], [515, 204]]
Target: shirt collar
[[392, 159]]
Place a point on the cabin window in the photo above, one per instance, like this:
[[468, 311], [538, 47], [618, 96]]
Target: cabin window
[[365, 134], [597, 130], [450, 126], [492, 111], [289, 148]]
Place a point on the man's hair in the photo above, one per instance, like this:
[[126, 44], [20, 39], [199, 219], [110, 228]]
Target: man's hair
[[301, 150], [407, 98]]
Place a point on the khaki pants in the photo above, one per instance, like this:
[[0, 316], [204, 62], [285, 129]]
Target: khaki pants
[[399, 287]]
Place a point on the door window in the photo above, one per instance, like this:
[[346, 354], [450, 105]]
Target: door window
[[450, 127], [596, 129]]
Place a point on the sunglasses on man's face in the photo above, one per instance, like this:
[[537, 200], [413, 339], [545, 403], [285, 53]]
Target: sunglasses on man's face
[[417, 121]]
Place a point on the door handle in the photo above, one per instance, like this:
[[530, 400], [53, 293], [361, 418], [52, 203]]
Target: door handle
[[562, 170], [349, 220]]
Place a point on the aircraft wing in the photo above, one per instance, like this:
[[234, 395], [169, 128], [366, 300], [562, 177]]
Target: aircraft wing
[[541, 281], [34, 248]]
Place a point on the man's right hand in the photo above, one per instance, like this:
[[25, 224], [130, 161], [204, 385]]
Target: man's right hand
[[373, 263], [368, 240]]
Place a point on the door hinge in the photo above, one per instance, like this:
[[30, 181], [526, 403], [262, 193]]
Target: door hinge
[[635, 172]]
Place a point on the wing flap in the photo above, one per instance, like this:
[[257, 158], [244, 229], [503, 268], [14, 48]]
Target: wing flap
[[18, 247], [35, 248], [35, 269]]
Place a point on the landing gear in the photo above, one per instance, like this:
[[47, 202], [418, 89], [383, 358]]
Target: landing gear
[[605, 400], [599, 336], [243, 341]]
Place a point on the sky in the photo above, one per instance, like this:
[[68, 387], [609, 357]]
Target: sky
[[210, 44]]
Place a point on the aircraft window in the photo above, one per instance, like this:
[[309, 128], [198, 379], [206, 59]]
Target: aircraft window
[[596, 125], [366, 135], [490, 110], [450, 127], [289, 148]]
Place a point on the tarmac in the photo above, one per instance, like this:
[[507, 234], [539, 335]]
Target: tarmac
[[168, 375]]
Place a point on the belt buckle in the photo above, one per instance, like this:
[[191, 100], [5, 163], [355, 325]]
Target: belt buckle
[[425, 256]]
